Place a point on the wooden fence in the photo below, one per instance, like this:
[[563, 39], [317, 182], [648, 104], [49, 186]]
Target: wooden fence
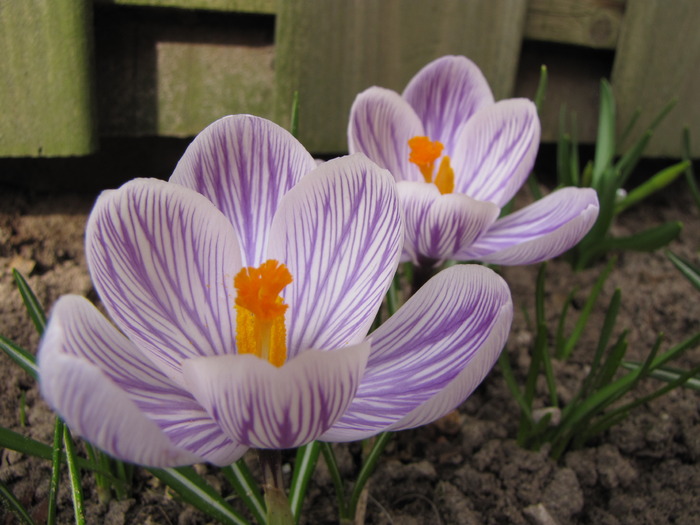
[[72, 71]]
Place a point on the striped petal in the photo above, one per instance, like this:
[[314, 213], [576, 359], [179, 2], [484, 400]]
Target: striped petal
[[162, 258], [339, 232], [439, 226], [437, 336], [495, 151], [445, 94], [244, 165], [381, 124], [80, 338], [540, 231], [268, 407]]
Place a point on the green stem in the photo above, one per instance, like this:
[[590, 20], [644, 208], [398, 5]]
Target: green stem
[[279, 511], [74, 476], [55, 471]]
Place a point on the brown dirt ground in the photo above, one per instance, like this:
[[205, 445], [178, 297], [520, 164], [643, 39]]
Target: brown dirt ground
[[466, 469]]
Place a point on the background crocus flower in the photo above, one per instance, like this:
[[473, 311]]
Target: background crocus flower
[[458, 158], [242, 292]]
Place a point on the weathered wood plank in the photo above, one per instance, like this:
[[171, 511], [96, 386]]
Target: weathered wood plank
[[241, 6], [330, 51], [590, 23], [46, 78], [657, 60]]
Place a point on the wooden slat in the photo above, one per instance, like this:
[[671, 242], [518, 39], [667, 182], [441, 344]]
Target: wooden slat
[[330, 51], [590, 23], [657, 60], [46, 83], [241, 6]]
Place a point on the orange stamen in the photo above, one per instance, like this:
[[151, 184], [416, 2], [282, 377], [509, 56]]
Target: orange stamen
[[260, 328], [445, 178], [424, 153]]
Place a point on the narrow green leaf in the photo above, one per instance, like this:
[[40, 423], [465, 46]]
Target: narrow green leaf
[[648, 240], [74, 477], [582, 321], [20, 356], [559, 338], [630, 125], [195, 491], [36, 312], [605, 139], [247, 489], [688, 269], [367, 469], [14, 441], [11, 503], [304, 467], [336, 476], [689, 173], [55, 471], [651, 186], [541, 89], [628, 161], [610, 366], [666, 374]]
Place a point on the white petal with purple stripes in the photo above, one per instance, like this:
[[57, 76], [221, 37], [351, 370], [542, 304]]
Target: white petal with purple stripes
[[79, 330], [381, 124], [425, 346], [244, 165], [268, 407], [445, 94], [540, 231], [163, 258], [495, 151], [340, 233], [439, 226]]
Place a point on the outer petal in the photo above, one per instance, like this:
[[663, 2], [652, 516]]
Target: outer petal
[[540, 231], [244, 165], [437, 337], [495, 151], [439, 226], [268, 407], [339, 232], [381, 124], [445, 94], [81, 339], [162, 258]]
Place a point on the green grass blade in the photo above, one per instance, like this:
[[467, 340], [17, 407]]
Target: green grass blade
[[541, 89], [611, 365], [630, 125], [36, 312], [11, 503], [20, 356], [646, 241], [247, 489], [74, 477], [689, 173], [666, 374], [605, 139], [195, 491], [336, 476], [304, 467], [55, 471], [582, 321], [651, 186], [688, 269], [367, 469]]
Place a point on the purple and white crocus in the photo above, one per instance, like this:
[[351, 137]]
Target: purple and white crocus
[[458, 158], [242, 291]]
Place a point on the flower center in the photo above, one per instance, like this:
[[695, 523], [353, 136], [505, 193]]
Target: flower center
[[260, 328], [424, 153]]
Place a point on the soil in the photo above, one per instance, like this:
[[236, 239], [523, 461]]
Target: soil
[[465, 469]]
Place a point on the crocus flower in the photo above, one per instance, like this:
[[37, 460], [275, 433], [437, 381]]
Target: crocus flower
[[458, 158], [242, 291]]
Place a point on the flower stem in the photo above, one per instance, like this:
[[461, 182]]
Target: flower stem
[[278, 510], [367, 469]]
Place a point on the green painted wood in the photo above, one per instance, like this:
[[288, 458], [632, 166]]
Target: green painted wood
[[657, 60], [590, 23], [329, 51], [46, 78], [241, 6]]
